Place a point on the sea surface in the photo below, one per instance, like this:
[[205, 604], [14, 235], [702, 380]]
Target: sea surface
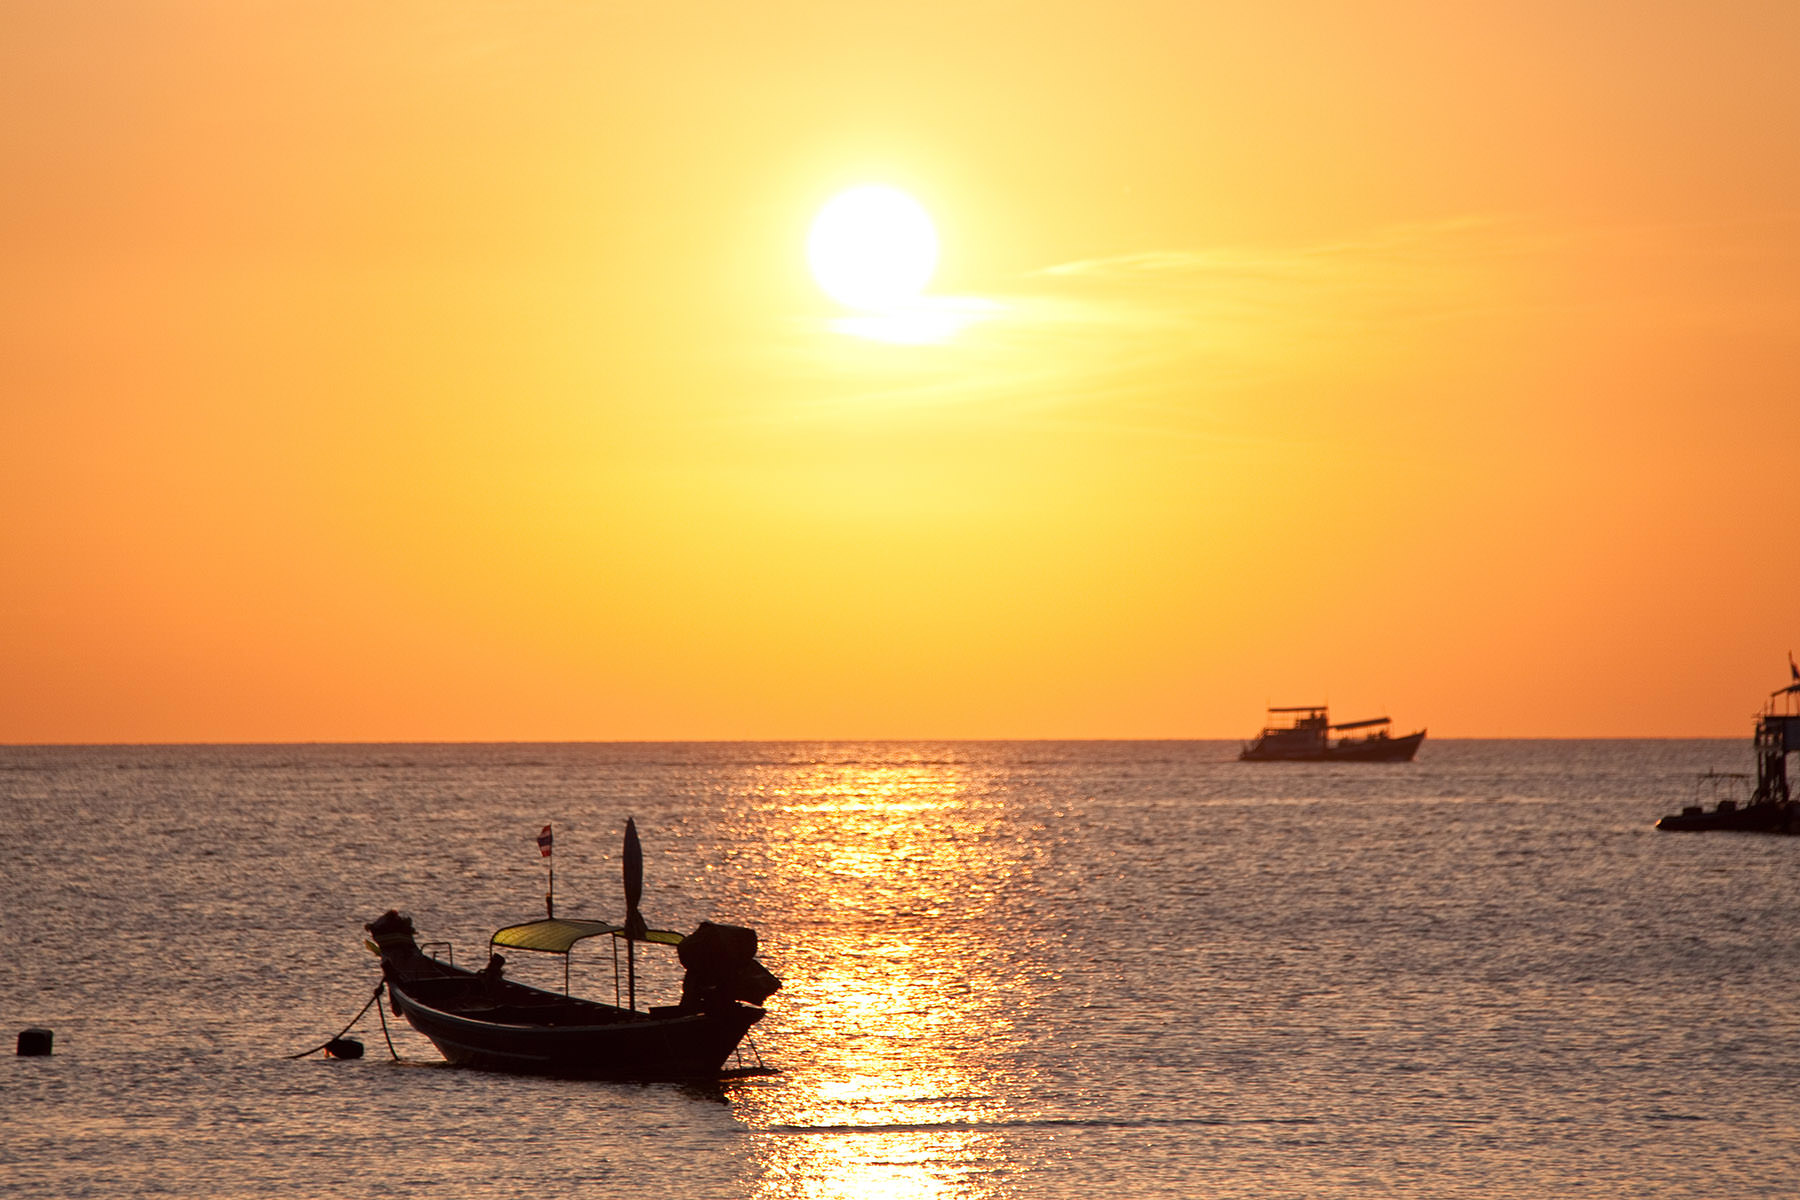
[[1012, 969]]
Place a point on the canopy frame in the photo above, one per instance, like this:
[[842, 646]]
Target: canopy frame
[[560, 935]]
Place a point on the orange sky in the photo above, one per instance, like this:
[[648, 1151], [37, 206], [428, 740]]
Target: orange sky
[[442, 370]]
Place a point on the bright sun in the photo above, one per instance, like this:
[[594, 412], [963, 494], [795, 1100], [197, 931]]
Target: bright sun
[[872, 247]]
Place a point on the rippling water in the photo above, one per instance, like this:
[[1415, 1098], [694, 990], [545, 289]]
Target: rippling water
[[1012, 970]]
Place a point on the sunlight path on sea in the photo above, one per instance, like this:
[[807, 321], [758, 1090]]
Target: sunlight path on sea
[[892, 995]]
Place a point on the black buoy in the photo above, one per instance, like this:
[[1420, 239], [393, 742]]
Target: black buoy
[[343, 1047], [35, 1043]]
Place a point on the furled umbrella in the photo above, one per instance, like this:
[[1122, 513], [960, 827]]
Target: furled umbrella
[[635, 929]]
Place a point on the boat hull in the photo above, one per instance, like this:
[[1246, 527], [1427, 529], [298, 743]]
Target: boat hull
[[1387, 749], [602, 1043], [1751, 818]]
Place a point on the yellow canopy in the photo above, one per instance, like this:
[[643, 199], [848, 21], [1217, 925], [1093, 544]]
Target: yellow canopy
[[558, 935]]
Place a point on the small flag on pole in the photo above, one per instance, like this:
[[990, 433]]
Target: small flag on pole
[[544, 841], [1792, 669]]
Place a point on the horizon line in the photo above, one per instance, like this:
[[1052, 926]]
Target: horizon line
[[801, 741]]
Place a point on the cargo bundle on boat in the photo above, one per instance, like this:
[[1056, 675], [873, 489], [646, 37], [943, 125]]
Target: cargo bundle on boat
[[1770, 806], [1304, 734], [482, 1019]]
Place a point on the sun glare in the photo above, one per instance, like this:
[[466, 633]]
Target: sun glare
[[872, 248]]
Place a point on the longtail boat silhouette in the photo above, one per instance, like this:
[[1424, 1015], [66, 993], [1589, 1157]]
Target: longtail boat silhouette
[[482, 1019]]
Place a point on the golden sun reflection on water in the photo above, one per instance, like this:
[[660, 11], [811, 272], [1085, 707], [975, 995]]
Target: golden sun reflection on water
[[898, 1011], [903, 1165]]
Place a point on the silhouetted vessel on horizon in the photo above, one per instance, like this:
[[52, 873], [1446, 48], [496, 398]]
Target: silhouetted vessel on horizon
[[1771, 807], [1306, 737]]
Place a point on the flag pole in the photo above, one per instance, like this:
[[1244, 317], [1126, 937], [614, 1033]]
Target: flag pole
[[546, 843]]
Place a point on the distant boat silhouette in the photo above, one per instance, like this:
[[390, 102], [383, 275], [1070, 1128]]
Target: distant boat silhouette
[[1771, 807], [1306, 737]]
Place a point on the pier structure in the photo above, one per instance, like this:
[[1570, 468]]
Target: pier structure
[[1777, 736]]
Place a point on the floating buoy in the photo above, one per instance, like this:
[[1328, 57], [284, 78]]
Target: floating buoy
[[35, 1043], [343, 1047]]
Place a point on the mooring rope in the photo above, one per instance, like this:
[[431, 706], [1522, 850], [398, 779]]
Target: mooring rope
[[738, 1057], [384, 1030], [351, 1025]]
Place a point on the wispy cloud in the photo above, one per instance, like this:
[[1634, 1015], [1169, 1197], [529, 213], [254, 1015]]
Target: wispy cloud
[[1133, 343], [1426, 271]]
